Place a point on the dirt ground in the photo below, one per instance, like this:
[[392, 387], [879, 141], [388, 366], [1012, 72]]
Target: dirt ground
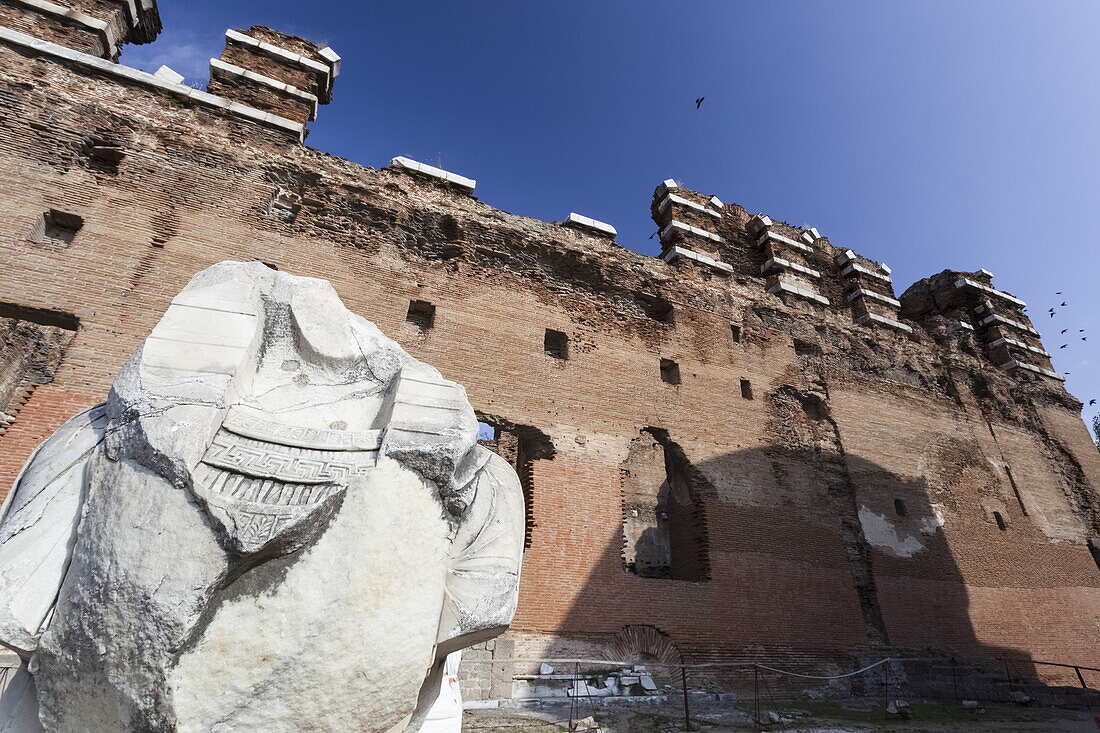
[[794, 717]]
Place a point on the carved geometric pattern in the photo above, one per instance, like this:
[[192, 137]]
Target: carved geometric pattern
[[284, 463], [252, 426], [267, 493], [258, 489]]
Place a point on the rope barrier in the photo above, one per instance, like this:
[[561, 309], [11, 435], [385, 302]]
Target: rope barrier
[[679, 665], [824, 677]]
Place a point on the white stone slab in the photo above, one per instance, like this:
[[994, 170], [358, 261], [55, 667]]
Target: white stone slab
[[782, 287], [770, 236], [778, 263], [281, 53], [967, 282], [217, 66], [854, 267], [590, 223], [168, 74], [430, 170], [759, 222], [680, 200], [679, 226], [1018, 345], [994, 318], [333, 58], [1007, 366], [102, 28], [676, 252], [865, 293], [875, 318]]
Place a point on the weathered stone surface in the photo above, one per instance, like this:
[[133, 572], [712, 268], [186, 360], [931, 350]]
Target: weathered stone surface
[[278, 521]]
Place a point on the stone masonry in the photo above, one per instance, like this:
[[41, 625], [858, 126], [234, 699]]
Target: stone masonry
[[748, 448]]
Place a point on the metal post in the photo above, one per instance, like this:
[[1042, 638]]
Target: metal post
[[687, 713], [1080, 677], [573, 702], [886, 689], [756, 694]]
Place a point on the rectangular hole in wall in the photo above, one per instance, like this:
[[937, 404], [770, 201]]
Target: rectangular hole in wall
[[670, 371], [41, 316], [102, 155], [520, 446], [283, 205], [655, 307], [56, 228], [664, 527], [735, 331], [746, 389], [486, 432], [421, 315], [556, 344]]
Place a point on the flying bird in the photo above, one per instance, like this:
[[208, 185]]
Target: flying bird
[[699, 101], [1063, 304], [1063, 330], [1063, 346], [1080, 330], [1092, 402], [1058, 293], [1084, 338]]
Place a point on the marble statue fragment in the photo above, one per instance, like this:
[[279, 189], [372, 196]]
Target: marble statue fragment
[[278, 521]]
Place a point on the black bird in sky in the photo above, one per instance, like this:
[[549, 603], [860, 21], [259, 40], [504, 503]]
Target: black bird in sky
[[1063, 330], [1084, 338], [1092, 402], [1052, 314], [1080, 330], [699, 101], [1063, 346], [1063, 304], [1058, 293]]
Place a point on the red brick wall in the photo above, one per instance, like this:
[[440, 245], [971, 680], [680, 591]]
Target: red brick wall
[[785, 482], [47, 409]]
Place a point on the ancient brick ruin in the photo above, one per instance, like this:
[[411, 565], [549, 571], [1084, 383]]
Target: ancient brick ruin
[[748, 448]]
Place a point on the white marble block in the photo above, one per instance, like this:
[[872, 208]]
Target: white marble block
[[278, 521]]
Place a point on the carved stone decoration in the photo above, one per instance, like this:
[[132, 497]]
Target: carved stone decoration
[[278, 521]]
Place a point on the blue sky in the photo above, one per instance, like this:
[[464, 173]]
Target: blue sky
[[928, 135]]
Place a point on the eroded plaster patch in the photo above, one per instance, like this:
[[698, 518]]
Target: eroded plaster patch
[[882, 534], [929, 525]]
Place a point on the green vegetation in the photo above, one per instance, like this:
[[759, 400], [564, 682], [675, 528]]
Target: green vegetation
[[648, 723]]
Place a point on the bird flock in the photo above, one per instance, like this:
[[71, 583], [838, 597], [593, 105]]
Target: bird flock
[[1055, 311]]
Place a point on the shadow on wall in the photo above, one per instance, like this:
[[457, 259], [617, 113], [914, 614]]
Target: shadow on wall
[[804, 558]]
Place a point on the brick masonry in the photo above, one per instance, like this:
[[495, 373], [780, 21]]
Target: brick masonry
[[846, 483]]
